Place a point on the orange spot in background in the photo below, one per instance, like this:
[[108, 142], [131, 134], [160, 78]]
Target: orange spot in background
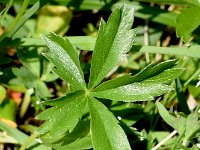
[[15, 95]]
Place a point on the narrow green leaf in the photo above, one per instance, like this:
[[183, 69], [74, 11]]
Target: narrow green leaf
[[160, 73], [181, 97], [154, 70], [114, 40], [64, 116], [137, 91], [24, 18], [177, 123], [87, 43], [165, 114], [192, 51], [102, 123], [62, 54], [19, 15], [114, 83], [166, 76], [187, 22], [147, 12], [61, 100]]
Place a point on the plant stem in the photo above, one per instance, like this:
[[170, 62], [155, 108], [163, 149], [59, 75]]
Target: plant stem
[[5, 11], [19, 15], [26, 102], [177, 141], [146, 40], [28, 141], [191, 78], [186, 83], [164, 140]]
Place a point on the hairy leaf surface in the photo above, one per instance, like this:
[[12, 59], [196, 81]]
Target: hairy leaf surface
[[106, 132], [64, 116], [62, 54], [114, 40]]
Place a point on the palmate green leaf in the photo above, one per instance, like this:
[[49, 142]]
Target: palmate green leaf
[[30, 59], [106, 132], [114, 40], [62, 54], [42, 90], [143, 86], [24, 76], [63, 116], [187, 22]]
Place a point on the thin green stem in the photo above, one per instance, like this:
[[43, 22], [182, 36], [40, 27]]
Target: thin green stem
[[164, 140], [177, 141], [157, 117], [28, 141], [197, 108], [191, 78], [5, 11], [174, 95], [26, 102], [186, 83], [19, 15]]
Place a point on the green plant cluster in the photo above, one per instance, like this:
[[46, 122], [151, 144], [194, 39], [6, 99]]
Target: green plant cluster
[[106, 101]]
